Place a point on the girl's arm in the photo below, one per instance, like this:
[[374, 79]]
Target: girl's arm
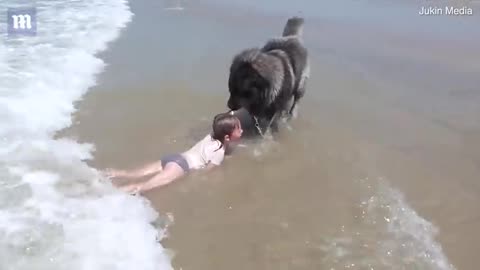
[[210, 166], [145, 170]]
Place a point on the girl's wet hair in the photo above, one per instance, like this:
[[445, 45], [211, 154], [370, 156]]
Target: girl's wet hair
[[223, 124]]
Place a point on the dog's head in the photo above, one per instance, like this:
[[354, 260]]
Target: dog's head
[[250, 82], [247, 90]]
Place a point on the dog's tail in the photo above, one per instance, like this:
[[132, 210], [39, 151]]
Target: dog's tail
[[294, 27]]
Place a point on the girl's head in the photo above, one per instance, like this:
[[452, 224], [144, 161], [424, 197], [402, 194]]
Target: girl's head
[[226, 127]]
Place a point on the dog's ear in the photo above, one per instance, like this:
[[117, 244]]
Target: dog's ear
[[270, 77], [246, 56]]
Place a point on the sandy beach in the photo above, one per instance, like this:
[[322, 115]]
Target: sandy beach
[[380, 170]]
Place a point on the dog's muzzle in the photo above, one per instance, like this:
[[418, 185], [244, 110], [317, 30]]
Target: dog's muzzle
[[233, 105]]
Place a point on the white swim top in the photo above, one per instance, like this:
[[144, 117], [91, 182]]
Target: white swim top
[[203, 152]]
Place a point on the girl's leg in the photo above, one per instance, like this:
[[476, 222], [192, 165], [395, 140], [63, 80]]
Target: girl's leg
[[170, 172], [145, 170]]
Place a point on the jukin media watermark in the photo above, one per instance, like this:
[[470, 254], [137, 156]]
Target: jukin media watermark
[[445, 10], [22, 21]]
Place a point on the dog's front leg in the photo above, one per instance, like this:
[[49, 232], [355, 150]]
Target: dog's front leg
[[293, 113], [287, 110], [274, 127]]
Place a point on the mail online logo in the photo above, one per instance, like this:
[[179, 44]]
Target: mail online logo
[[22, 21]]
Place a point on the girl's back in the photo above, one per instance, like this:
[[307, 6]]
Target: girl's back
[[203, 152]]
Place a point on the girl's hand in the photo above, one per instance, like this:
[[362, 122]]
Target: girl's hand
[[133, 189], [112, 173]]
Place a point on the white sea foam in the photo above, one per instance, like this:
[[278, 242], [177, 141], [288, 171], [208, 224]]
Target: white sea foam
[[389, 234], [54, 213]]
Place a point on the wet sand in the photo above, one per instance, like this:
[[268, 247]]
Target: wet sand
[[381, 107]]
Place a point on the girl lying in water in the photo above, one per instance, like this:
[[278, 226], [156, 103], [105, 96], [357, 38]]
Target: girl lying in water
[[207, 153]]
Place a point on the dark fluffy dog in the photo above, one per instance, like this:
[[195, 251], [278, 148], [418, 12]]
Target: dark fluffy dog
[[269, 82]]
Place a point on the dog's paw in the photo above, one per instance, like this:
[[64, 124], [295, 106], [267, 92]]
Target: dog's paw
[[294, 113]]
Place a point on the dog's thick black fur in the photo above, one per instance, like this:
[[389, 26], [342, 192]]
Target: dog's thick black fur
[[269, 82]]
